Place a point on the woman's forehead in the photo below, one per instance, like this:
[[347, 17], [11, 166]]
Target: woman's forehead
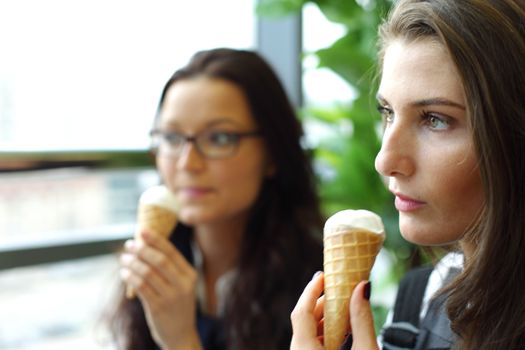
[[419, 70], [206, 100]]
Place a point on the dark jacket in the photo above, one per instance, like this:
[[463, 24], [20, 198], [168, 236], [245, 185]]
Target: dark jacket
[[407, 332]]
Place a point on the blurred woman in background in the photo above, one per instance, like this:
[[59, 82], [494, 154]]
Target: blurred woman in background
[[228, 145]]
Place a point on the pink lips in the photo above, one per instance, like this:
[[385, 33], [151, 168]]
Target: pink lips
[[194, 192], [406, 204]]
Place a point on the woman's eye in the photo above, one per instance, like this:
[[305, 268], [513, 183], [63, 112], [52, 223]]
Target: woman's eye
[[386, 114], [174, 138], [220, 138], [436, 122]]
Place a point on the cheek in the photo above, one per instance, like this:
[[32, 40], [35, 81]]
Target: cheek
[[459, 199], [466, 197], [166, 171], [243, 183], [461, 185], [452, 188]]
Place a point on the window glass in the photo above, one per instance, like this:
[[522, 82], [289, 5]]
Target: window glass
[[85, 76], [88, 74]]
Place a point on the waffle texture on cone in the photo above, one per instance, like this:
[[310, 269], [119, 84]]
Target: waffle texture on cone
[[156, 219], [352, 240]]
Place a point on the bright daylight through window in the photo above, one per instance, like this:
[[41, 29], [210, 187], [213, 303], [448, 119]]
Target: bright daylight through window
[[84, 76], [87, 74]]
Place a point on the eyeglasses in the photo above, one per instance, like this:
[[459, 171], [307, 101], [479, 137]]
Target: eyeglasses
[[212, 144]]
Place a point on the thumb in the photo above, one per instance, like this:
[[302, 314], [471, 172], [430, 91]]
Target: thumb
[[361, 318]]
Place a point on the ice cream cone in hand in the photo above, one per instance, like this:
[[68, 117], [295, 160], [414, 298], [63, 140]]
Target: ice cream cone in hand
[[352, 240], [157, 213]]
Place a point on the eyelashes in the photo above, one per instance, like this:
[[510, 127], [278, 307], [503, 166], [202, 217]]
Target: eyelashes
[[435, 121], [431, 120], [386, 113]]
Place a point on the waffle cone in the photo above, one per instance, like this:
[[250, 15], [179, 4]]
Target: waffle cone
[[157, 220], [349, 255]]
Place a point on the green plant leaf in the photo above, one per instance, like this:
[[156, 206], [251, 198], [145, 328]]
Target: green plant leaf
[[347, 59], [339, 11], [278, 8]]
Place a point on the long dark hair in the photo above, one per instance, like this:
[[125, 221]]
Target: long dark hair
[[281, 247], [486, 41]]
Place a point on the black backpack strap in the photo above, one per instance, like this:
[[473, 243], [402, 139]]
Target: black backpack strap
[[410, 295], [403, 332]]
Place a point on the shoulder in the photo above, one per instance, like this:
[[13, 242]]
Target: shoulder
[[419, 285], [401, 330]]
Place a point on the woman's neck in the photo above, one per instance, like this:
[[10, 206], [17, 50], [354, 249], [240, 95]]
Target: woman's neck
[[219, 244]]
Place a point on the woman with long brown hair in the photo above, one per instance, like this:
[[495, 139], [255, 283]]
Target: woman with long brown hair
[[452, 96], [228, 145]]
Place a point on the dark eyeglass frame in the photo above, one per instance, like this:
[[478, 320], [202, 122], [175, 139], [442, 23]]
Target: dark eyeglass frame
[[234, 137]]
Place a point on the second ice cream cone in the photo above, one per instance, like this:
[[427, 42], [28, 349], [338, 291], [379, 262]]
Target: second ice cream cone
[[157, 214], [157, 219]]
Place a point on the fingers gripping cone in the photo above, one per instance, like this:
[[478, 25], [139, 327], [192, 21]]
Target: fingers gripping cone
[[157, 213], [352, 240]]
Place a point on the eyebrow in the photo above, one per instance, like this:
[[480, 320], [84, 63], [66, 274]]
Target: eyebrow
[[212, 123], [222, 120], [437, 101]]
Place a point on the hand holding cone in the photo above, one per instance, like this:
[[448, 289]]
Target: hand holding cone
[[157, 212], [352, 240]]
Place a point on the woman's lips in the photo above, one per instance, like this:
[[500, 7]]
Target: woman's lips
[[194, 192], [406, 204]]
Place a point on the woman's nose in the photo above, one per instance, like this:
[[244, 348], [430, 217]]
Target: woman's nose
[[396, 156], [190, 159]]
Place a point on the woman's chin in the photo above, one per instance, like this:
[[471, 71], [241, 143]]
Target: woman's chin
[[426, 239], [194, 217]]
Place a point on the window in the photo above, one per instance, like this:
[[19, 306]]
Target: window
[[82, 75], [79, 79]]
